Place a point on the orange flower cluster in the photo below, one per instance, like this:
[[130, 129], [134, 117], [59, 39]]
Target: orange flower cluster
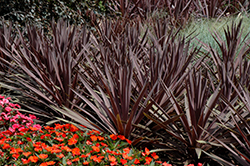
[[66, 144]]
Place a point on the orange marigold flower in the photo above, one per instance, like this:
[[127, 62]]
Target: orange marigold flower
[[85, 163], [93, 138], [69, 162], [43, 156], [113, 137], [100, 138], [75, 160], [55, 146], [73, 128], [60, 156], [72, 141], [45, 135], [25, 161], [20, 142], [55, 150], [84, 156], [16, 155], [123, 161], [112, 152], [113, 163], [59, 139], [96, 149], [95, 131], [59, 126], [125, 156], [166, 164], [58, 133], [126, 150], [121, 137], [26, 154], [89, 142], [33, 159], [62, 144], [38, 149], [76, 151], [154, 156], [76, 136], [6, 146], [128, 141], [112, 158], [43, 164], [66, 148], [146, 152], [50, 163], [103, 144], [137, 161], [14, 150], [96, 159], [48, 148], [48, 128], [148, 160]]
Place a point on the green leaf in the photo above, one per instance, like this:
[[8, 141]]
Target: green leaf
[[198, 152]]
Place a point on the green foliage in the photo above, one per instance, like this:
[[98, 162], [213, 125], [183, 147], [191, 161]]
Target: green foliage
[[202, 29], [40, 13]]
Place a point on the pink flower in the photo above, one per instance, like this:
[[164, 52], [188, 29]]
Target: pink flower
[[17, 105], [11, 105], [32, 116], [13, 120], [28, 124], [12, 130], [37, 126], [21, 128], [6, 101], [5, 116], [8, 109], [22, 116], [15, 126]]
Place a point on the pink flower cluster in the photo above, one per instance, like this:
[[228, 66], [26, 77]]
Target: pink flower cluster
[[12, 119]]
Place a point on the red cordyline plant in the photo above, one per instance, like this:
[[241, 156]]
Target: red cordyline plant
[[178, 12], [43, 68], [229, 69], [124, 73], [185, 135], [238, 126]]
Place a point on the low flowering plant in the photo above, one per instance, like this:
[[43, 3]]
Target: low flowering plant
[[22, 142], [12, 119], [67, 145]]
